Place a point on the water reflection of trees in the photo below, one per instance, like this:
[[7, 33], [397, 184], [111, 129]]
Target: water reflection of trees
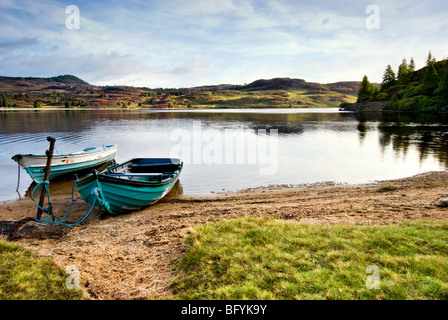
[[37, 121], [426, 132]]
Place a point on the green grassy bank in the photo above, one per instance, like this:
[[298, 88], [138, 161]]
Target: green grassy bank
[[253, 258], [23, 276]]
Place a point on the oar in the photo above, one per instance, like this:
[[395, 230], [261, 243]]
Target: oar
[[49, 154]]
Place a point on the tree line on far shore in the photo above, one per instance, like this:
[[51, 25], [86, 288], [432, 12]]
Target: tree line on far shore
[[409, 89]]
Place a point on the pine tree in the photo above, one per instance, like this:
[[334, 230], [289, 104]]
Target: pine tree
[[362, 92], [411, 67], [403, 71], [430, 79], [388, 78], [366, 90], [430, 60]]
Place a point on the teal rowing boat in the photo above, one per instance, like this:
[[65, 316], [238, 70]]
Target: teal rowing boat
[[130, 186]]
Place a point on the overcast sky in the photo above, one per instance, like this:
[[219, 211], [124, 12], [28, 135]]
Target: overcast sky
[[183, 43]]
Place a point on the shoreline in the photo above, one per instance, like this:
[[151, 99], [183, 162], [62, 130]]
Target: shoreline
[[202, 107], [130, 256]]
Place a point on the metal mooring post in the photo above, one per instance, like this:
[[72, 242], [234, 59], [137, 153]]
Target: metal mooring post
[[49, 154]]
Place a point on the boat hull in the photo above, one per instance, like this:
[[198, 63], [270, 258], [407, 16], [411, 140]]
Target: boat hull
[[120, 195], [65, 164]]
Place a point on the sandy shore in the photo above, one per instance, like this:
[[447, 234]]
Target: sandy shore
[[131, 256]]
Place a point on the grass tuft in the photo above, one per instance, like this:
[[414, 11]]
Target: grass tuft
[[388, 188]]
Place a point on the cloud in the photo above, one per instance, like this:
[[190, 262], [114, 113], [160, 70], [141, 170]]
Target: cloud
[[18, 44], [325, 21], [92, 67], [181, 43]]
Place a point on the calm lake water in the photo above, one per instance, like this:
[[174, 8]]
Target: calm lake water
[[236, 149]]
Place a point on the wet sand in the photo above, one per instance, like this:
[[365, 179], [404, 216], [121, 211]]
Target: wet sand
[[131, 256]]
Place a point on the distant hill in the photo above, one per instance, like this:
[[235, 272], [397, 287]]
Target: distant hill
[[29, 84], [346, 87], [277, 92], [282, 84], [70, 91], [67, 79]]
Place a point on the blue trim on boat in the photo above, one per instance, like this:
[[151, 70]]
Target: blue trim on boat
[[37, 173]]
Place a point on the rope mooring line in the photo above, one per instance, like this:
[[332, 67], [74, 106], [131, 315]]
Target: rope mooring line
[[46, 184], [47, 190], [18, 178]]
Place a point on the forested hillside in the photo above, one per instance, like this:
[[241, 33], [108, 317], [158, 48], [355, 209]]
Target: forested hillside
[[408, 89]]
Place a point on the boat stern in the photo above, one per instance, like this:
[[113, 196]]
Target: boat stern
[[18, 158]]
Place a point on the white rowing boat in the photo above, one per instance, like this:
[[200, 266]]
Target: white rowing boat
[[66, 163]]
